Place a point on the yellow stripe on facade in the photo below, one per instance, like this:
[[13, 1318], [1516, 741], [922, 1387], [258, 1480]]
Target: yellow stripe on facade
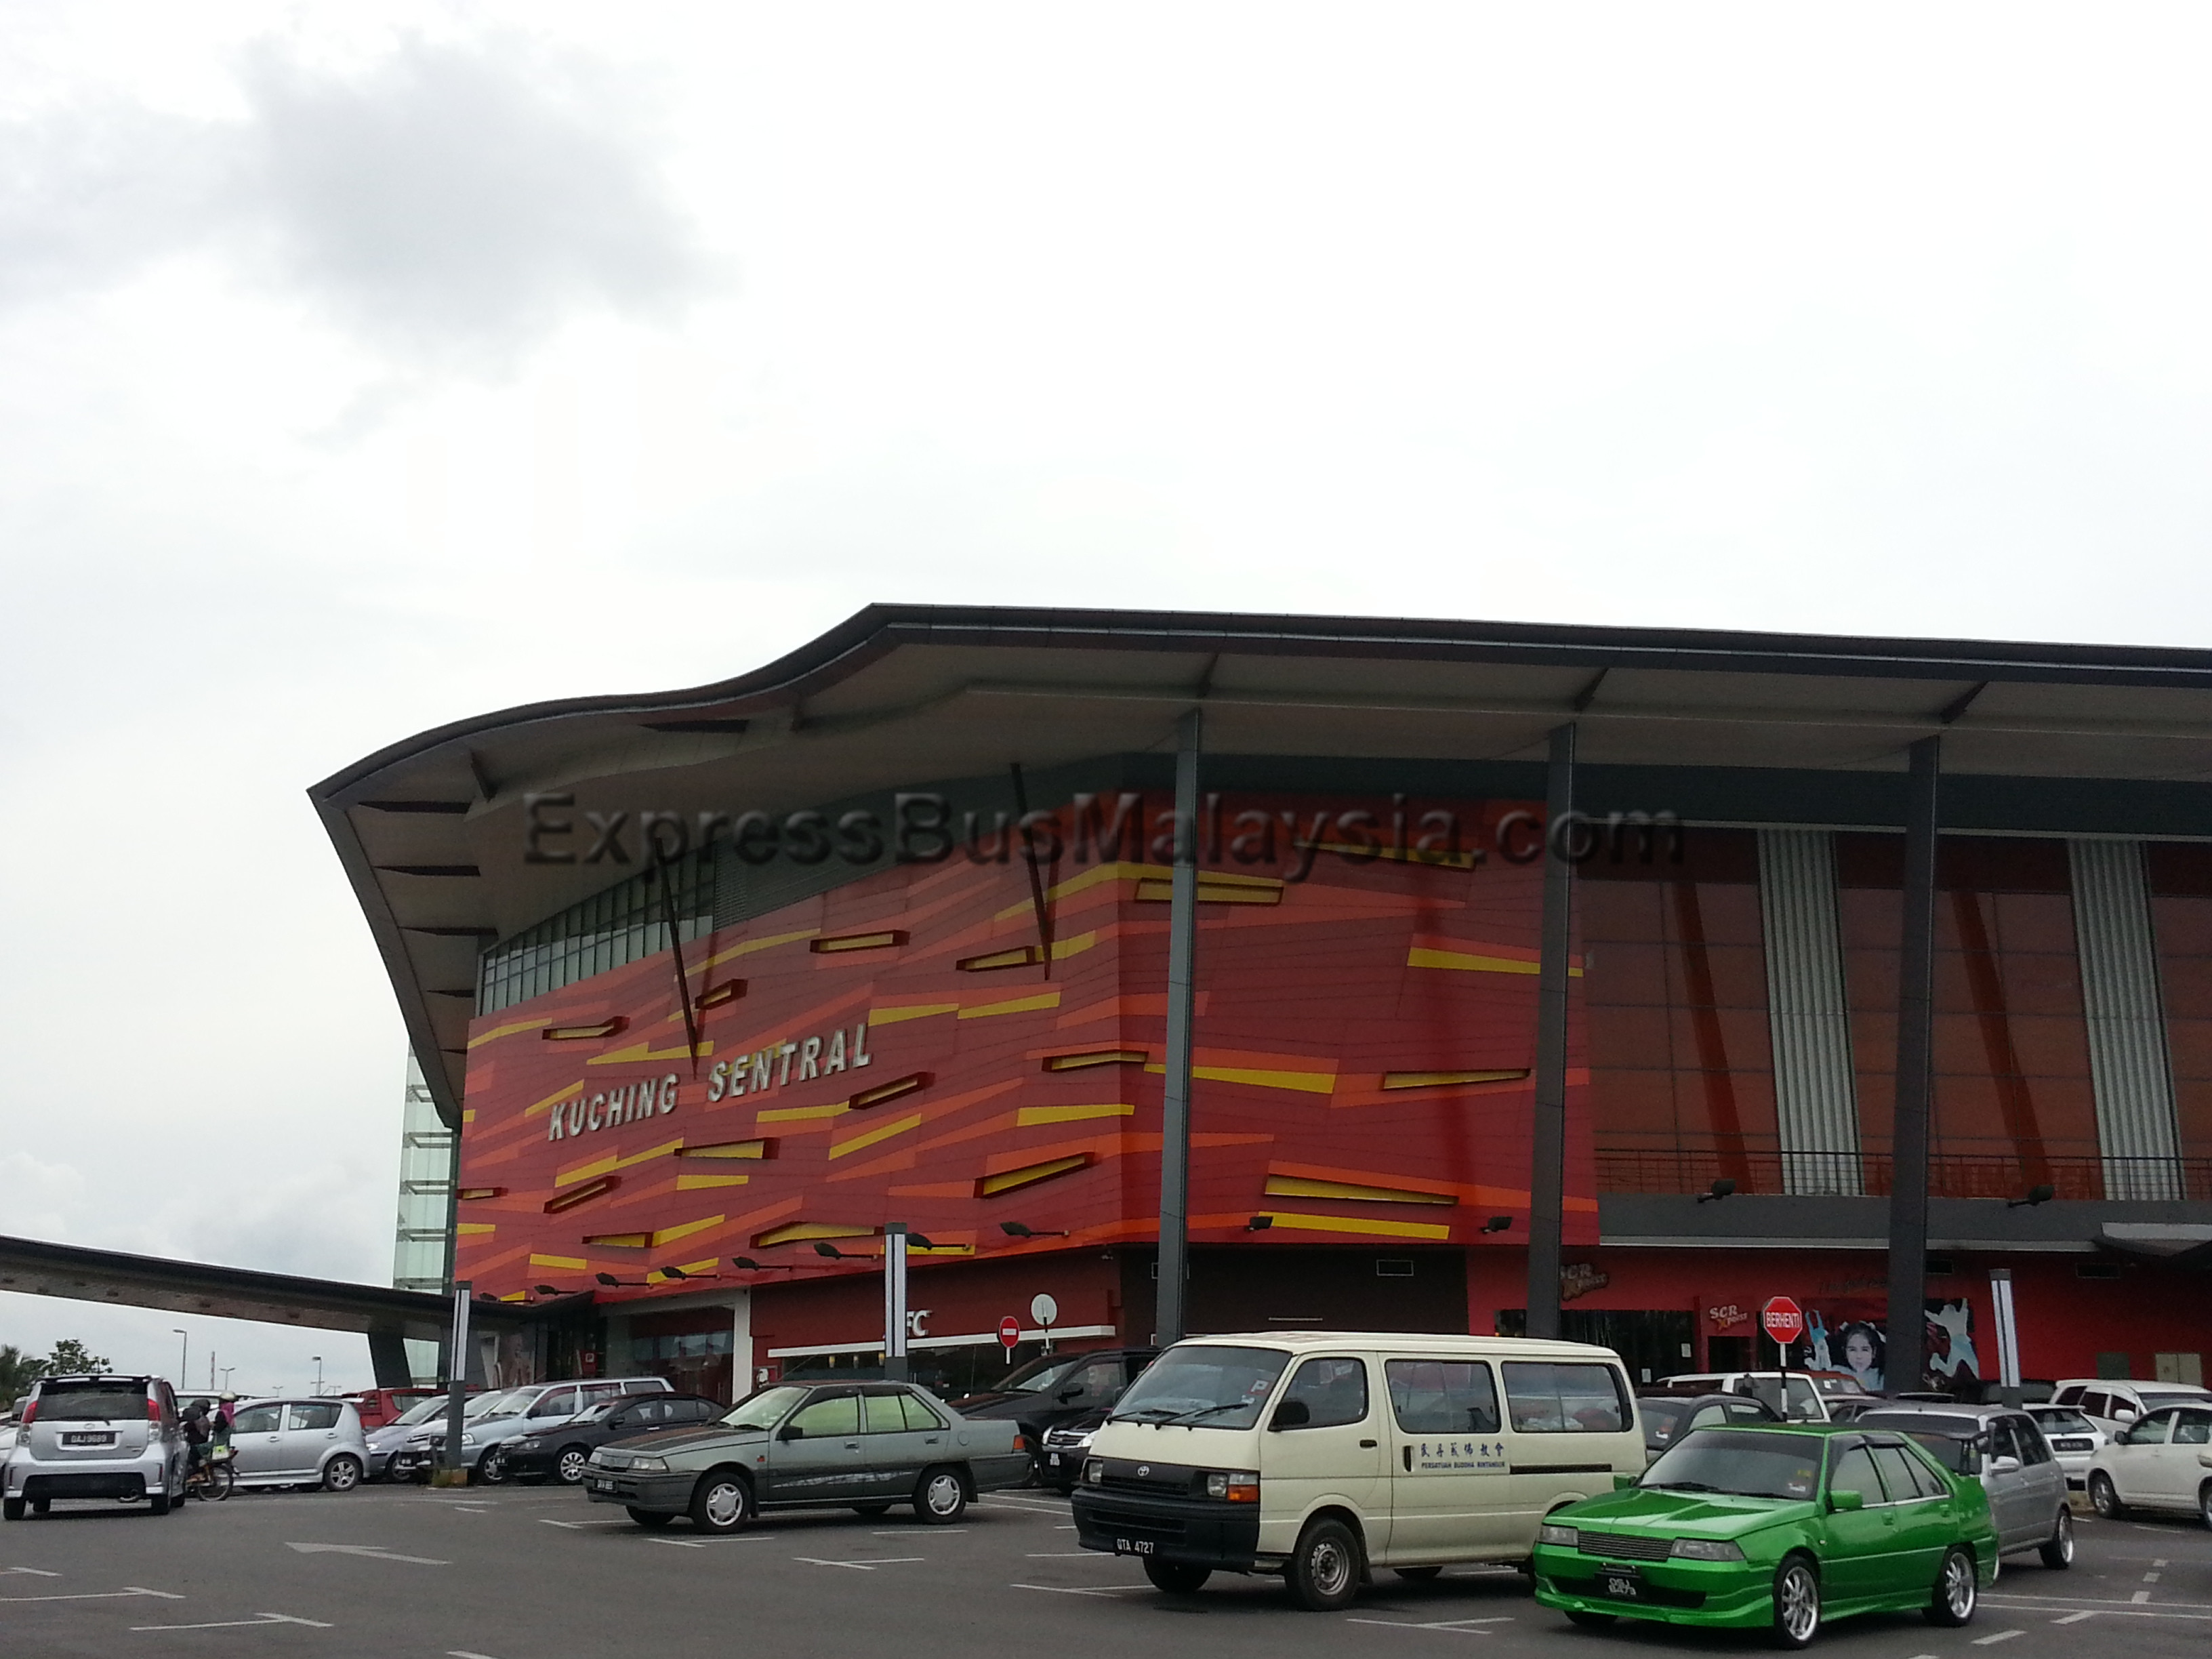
[[1030, 1116], [684, 1230], [608, 1165], [912, 1010], [1284, 1219], [1310, 1083], [798, 1232], [576, 1088], [692, 1183], [1074, 946], [1283, 1186], [1006, 1180], [873, 1136], [753, 945], [1420, 956], [1091, 877], [638, 1051], [575, 1263], [1016, 1005], [499, 1032], [793, 1114], [477, 1229]]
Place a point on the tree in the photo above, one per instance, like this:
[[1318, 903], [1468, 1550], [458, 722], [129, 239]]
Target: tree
[[71, 1357], [18, 1370]]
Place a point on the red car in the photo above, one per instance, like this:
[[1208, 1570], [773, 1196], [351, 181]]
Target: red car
[[378, 1407]]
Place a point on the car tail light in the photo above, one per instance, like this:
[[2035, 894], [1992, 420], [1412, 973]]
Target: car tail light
[[153, 1409], [1020, 1443], [30, 1411]]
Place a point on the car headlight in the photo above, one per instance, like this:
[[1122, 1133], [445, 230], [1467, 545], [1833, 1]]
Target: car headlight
[[648, 1463], [528, 1445], [1094, 1472], [468, 1440], [1567, 1538], [1234, 1486], [1706, 1549]]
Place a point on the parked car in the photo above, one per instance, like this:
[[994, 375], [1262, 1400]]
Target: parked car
[[1780, 1528], [2163, 1461], [2005, 1451], [1316, 1454], [1807, 1399], [2074, 1439], [417, 1422], [867, 1445], [1059, 1461], [1055, 1390], [563, 1453], [378, 1407], [2112, 1405], [487, 1431], [1666, 1418], [95, 1435], [2033, 1391], [299, 1443]]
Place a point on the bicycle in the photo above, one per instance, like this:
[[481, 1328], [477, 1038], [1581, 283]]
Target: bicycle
[[212, 1480]]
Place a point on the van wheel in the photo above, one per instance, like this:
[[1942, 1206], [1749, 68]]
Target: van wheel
[[1587, 1619], [2104, 1497], [2057, 1550], [11, 1508], [1325, 1568], [1418, 1575], [1956, 1591], [1179, 1577]]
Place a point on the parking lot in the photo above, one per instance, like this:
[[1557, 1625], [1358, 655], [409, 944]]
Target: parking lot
[[518, 1573]]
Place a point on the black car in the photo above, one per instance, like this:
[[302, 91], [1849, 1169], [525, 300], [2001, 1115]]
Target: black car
[[563, 1452], [1666, 1418], [1057, 1389]]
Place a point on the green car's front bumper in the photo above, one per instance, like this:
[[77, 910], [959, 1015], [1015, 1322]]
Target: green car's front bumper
[[1719, 1595]]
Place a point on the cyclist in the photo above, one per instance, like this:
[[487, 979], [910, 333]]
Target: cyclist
[[197, 1434]]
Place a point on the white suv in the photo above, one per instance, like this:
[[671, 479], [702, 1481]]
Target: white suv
[[96, 1437], [2113, 1405]]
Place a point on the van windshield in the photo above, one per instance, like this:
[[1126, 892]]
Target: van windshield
[[1204, 1386]]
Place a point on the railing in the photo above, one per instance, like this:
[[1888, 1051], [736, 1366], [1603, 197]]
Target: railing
[[1767, 1169]]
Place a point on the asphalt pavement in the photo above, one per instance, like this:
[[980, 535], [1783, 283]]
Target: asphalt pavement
[[537, 1573]]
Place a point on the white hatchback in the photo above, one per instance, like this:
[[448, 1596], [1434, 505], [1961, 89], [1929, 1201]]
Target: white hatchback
[[2074, 1439], [2162, 1461]]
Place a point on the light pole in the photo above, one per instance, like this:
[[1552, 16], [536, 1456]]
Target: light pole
[[318, 1359], [227, 1370], [184, 1352]]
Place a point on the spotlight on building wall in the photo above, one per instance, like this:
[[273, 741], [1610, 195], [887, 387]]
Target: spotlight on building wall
[[549, 1290], [915, 1241], [1498, 1224], [1719, 1189], [753, 1266], [617, 1284], [1016, 1230], [1259, 1224], [824, 1246], [2035, 1195]]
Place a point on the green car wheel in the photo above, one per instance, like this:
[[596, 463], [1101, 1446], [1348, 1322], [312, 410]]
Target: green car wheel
[[1956, 1591], [1796, 1602]]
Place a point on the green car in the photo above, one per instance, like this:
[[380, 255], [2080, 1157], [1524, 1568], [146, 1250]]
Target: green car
[[1775, 1528]]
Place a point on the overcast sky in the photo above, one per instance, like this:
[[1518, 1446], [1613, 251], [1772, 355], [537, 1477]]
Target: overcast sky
[[363, 368]]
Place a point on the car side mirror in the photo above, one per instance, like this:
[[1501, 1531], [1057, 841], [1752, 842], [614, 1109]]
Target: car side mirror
[[1623, 1482], [1841, 1502], [1066, 1394], [2005, 1466], [791, 1432], [1291, 1414]]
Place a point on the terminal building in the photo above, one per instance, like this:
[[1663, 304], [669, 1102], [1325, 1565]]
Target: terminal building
[[715, 985]]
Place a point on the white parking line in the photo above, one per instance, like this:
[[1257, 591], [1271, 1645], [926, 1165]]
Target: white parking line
[[907, 1532], [1454, 1626], [2075, 1617], [1071, 1590], [98, 1596], [862, 1566], [579, 1526], [2001, 1636], [708, 1543], [1030, 1504], [240, 1624], [1070, 1555], [40, 1572]]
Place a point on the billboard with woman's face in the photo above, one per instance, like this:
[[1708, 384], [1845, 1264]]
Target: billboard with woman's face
[[1853, 1336]]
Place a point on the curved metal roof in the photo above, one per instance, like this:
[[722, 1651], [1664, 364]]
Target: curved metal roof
[[901, 695]]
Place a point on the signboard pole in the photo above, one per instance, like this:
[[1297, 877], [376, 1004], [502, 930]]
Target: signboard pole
[[1783, 1321], [2008, 1335], [1174, 1090], [457, 1386], [1547, 1147], [895, 1364]]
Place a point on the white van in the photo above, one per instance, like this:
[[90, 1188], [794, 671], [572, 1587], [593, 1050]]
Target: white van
[[1319, 1455]]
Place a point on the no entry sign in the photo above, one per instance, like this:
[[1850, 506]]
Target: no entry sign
[[1783, 1320], [1010, 1333]]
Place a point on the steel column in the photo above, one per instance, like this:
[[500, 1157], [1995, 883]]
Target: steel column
[[457, 1383], [894, 1366], [1906, 1342], [1175, 1091], [1547, 1160]]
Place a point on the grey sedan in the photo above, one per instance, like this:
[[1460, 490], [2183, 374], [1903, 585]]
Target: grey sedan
[[865, 1446]]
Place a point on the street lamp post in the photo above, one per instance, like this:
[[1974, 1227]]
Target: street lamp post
[[318, 1359], [184, 1353]]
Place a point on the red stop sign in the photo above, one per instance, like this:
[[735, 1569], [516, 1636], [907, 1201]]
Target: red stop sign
[[1010, 1332], [1782, 1319]]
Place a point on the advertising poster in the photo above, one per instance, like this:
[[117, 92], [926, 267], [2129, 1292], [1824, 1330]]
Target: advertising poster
[[1852, 1334]]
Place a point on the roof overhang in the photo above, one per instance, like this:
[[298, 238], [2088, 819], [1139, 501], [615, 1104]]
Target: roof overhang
[[430, 830]]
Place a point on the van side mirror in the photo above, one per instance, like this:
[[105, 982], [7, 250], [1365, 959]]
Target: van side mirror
[[1291, 1414], [1843, 1501]]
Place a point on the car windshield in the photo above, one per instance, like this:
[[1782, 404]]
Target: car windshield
[[1954, 1452], [2064, 1420], [2153, 1398], [762, 1410], [502, 1403], [1662, 1418], [91, 1402], [421, 1411], [1037, 1376], [1838, 1385], [1216, 1387], [1750, 1463], [1769, 1390]]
